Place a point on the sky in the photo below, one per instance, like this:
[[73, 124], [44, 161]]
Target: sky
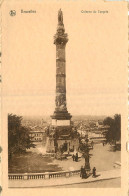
[[96, 58]]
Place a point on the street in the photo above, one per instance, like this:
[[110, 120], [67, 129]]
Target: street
[[102, 157]]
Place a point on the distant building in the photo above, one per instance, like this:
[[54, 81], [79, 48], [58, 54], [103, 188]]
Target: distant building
[[37, 134], [99, 124]]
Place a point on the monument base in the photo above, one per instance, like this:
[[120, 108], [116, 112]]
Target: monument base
[[71, 145], [56, 122], [61, 115]]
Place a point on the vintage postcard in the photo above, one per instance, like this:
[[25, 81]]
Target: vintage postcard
[[64, 97]]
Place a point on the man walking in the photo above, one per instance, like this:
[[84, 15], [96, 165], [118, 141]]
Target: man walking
[[81, 171], [94, 172], [73, 157]]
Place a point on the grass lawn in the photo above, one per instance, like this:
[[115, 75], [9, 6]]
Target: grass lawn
[[31, 162]]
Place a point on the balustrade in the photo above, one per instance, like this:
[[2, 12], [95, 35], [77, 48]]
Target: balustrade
[[47, 175]]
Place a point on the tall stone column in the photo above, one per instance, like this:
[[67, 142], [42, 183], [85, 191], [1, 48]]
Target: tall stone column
[[61, 117]]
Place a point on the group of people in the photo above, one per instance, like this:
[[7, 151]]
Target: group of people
[[75, 157], [83, 172]]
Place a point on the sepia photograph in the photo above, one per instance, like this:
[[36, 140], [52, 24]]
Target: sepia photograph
[[64, 89]]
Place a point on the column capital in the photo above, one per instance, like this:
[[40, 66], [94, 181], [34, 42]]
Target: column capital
[[60, 39]]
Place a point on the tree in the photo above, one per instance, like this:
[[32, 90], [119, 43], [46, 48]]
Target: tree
[[114, 131], [18, 136]]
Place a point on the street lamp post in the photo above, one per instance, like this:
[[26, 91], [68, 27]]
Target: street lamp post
[[86, 156]]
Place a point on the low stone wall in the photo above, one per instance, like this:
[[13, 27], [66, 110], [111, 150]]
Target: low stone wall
[[46, 175]]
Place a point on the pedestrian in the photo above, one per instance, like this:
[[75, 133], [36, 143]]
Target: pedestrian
[[73, 157], [94, 172], [84, 174], [76, 157], [92, 144], [81, 171]]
